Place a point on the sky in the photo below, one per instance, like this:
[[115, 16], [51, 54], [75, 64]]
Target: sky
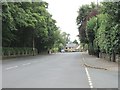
[[65, 13]]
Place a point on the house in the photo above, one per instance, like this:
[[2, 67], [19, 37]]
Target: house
[[71, 47]]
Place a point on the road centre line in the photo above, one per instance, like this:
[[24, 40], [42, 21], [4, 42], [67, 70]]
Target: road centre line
[[16, 66], [26, 64], [11, 67], [36, 61]]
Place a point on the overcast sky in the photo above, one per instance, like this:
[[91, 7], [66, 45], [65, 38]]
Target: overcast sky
[[65, 13]]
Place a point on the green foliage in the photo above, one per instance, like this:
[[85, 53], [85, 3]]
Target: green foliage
[[75, 41], [108, 32], [103, 31], [84, 14], [25, 22], [90, 29]]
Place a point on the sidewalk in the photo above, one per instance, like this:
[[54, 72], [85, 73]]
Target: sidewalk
[[99, 63]]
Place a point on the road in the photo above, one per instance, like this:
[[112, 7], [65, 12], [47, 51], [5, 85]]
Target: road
[[61, 70]]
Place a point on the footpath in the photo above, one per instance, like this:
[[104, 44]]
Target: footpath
[[99, 63]]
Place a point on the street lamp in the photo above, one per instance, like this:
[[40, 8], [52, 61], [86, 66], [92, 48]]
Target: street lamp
[[33, 44], [33, 41]]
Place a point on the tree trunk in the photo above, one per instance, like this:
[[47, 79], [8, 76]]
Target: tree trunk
[[90, 48], [113, 56]]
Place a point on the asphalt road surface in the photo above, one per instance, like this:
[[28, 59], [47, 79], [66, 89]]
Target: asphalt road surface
[[61, 70]]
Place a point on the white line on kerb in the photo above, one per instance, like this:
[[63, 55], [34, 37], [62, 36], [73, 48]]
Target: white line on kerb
[[89, 79], [26, 64], [11, 67]]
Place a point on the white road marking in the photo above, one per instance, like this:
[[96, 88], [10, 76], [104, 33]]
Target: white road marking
[[88, 75], [35, 61], [89, 78], [16, 66], [11, 67], [26, 64]]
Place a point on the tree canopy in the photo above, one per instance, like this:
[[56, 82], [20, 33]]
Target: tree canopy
[[102, 30], [28, 23]]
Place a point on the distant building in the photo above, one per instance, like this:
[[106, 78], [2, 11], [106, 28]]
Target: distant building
[[71, 47]]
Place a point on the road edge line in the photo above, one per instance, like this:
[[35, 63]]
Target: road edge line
[[87, 73]]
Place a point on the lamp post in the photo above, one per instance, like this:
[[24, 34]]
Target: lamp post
[[33, 41], [33, 44]]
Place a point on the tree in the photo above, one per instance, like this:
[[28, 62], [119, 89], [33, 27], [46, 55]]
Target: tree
[[91, 34], [75, 41], [100, 28], [32, 26], [113, 10], [7, 25], [103, 31], [84, 14]]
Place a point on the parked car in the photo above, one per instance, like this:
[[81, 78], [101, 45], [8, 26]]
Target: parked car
[[62, 50]]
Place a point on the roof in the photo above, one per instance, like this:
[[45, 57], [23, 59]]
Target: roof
[[71, 45]]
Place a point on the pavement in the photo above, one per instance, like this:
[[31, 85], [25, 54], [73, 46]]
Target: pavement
[[60, 70], [99, 63]]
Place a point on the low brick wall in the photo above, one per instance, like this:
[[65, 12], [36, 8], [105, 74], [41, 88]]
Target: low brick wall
[[10, 54]]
